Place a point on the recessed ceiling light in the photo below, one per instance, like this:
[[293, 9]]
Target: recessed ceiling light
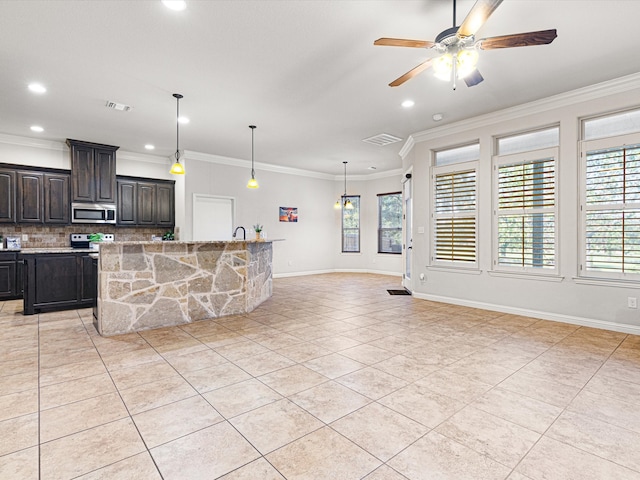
[[183, 120], [177, 5], [408, 103], [148, 146], [437, 117], [37, 128], [37, 88]]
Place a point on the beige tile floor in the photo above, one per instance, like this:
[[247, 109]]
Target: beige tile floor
[[332, 378]]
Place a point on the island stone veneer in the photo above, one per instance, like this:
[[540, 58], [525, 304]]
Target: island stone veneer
[[145, 285]]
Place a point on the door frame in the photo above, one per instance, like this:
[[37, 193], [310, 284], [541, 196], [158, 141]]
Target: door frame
[[407, 229]]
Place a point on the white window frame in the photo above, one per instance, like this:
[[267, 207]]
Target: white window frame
[[515, 159], [595, 145], [444, 170]]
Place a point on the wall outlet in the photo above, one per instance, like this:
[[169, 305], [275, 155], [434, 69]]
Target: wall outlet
[[422, 277], [632, 302], [25, 237], [290, 262]]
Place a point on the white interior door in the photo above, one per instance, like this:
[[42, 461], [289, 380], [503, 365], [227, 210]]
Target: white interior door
[[407, 229], [213, 217]]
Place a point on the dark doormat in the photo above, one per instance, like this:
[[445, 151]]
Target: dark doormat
[[399, 292]]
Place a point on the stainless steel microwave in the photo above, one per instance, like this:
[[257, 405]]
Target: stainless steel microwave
[[93, 213]]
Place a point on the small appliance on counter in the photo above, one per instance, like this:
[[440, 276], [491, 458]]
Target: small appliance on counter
[[13, 243], [82, 240]]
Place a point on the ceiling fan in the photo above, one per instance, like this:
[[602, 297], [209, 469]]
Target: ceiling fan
[[458, 47]]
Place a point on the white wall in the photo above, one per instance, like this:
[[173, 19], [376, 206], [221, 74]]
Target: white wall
[[311, 245], [368, 260], [565, 300]]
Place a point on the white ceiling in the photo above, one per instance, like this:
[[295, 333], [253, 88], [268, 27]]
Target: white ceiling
[[305, 72]]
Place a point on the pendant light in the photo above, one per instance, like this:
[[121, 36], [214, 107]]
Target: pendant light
[[177, 168], [253, 183], [346, 203]]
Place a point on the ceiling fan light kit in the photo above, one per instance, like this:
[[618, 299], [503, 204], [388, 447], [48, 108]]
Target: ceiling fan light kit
[[458, 46]]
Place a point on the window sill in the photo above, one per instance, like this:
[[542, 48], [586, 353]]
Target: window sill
[[607, 282], [527, 276], [350, 253], [441, 268]]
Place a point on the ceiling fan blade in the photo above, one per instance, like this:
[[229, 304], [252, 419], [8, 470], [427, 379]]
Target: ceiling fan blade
[[473, 79], [411, 73], [478, 15], [402, 42], [542, 37]]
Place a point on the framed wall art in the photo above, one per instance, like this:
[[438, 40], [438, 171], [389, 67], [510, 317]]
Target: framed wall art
[[288, 214]]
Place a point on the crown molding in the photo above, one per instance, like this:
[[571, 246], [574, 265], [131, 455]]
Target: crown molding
[[236, 162], [407, 147], [573, 97], [32, 142], [142, 157]]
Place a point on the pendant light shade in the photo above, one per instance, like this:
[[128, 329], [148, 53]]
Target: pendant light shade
[[177, 168], [344, 201], [253, 183]]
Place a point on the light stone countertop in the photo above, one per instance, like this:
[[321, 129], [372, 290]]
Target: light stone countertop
[[38, 251]]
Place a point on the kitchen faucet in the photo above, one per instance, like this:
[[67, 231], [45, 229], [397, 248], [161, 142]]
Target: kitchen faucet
[[244, 232]]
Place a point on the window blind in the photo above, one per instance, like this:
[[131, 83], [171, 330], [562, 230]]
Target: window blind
[[612, 210], [526, 214], [455, 217]]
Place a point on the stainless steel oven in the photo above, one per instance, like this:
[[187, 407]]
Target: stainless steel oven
[[93, 213]]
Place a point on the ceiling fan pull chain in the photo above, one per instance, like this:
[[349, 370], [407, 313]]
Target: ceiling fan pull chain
[[454, 69]]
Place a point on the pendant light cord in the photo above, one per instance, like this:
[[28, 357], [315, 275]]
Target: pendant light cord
[[345, 180], [178, 97], [253, 172]]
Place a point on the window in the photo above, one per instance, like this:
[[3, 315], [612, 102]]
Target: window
[[525, 199], [610, 196], [611, 210], [390, 223], [454, 241], [351, 225]]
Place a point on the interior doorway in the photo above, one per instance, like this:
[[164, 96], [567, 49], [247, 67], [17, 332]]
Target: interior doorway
[[213, 217]]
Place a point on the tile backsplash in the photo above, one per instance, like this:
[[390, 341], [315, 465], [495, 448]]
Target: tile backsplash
[[40, 236]]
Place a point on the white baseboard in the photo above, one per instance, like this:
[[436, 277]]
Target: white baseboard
[[556, 317], [337, 270]]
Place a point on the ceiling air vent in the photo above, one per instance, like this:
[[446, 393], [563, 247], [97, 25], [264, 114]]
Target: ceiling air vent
[[382, 139], [118, 106]]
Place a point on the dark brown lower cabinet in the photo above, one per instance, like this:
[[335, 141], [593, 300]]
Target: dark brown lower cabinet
[[10, 278], [57, 281]]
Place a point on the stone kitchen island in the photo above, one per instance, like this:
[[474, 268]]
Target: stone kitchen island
[[145, 285]]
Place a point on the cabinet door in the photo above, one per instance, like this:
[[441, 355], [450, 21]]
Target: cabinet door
[[127, 202], [56, 198], [105, 176], [165, 211], [7, 196], [146, 203], [55, 279], [88, 281], [30, 205], [7, 279], [82, 171]]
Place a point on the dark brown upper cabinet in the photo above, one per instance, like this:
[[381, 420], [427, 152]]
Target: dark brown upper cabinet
[[93, 172], [7, 195], [56, 198], [30, 198], [146, 202], [165, 205]]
